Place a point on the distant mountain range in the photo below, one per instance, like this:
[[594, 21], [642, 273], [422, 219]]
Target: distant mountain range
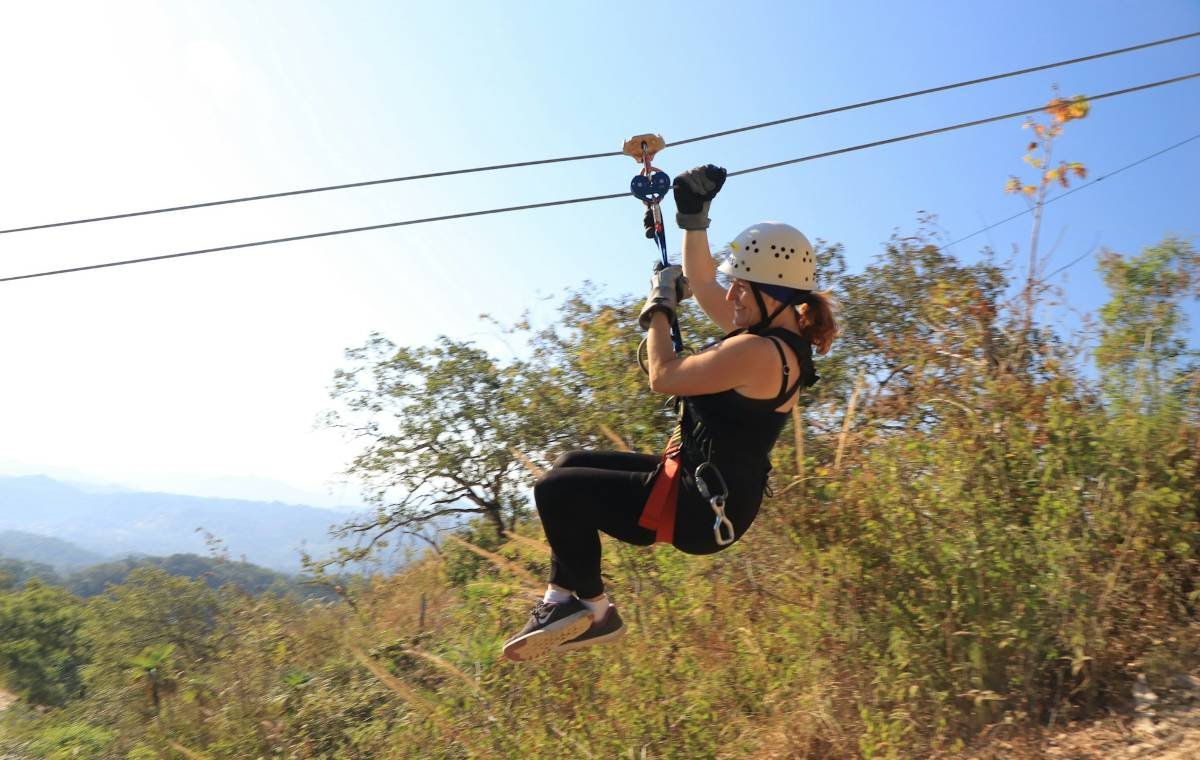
[[108, 524], [63, 556]]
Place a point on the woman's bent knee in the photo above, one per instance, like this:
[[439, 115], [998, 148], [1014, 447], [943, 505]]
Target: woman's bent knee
[[548, 490], [569, 459]]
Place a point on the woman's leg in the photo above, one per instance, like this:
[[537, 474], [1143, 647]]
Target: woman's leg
[[623, 461], [576, 503]]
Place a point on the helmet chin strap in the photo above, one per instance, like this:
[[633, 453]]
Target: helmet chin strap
[[762, 309]]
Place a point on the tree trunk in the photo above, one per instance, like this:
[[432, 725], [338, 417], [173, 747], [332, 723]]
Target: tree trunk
[[496, 516], [798, 434]]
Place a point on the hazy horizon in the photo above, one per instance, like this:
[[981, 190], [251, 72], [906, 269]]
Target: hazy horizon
[[244, 487]]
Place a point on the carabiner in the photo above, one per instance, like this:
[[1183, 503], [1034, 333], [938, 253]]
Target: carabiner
[[702, 487], [722, 528]]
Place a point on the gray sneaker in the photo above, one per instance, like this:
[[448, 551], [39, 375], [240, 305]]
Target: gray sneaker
[[610, 628], [549, 625]]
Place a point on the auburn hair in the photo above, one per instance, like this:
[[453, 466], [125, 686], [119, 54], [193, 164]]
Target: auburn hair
[[818, 324]]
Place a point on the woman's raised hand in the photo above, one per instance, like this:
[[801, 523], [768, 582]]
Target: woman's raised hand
[[694, 191], [668, 287]]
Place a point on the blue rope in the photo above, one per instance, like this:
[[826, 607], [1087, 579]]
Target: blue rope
[[660, 236]]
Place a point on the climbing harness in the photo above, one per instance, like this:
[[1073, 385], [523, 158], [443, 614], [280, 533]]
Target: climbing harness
[[658, 514], [650, 186]]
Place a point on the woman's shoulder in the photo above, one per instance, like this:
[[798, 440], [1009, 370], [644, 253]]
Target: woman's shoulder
[[741, 341], [744, 349], [751, 343]]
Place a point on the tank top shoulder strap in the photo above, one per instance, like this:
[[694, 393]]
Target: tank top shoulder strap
[[803, 350]]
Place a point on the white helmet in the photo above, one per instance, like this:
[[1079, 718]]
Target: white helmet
[[772, 253]]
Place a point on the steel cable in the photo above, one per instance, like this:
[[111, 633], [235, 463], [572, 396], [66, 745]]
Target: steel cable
[[605, 154], [461, 215]]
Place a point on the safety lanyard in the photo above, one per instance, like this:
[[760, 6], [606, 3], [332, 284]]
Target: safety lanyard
[[650, 186]]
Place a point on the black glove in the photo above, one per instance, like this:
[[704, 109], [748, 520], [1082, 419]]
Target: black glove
[[694, 190], [668, 287]]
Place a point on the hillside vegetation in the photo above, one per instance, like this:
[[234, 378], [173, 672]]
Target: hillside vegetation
[[215, 572], [980, 526]]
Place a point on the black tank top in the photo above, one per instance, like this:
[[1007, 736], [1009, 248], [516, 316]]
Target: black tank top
[[736, 433]]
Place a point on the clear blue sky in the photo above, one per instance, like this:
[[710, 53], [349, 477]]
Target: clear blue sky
[[205, 374]]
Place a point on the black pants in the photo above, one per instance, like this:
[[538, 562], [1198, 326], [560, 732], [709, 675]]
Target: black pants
[[591, 491]]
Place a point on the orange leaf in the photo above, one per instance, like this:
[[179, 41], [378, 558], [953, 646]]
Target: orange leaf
[[1029, 189], [1032, 146], [1013, 185]]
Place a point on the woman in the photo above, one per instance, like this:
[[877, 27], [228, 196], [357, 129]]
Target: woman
[[736, 395]]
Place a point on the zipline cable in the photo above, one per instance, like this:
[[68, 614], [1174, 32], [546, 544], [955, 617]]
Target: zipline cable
[[606, 154], [932, 90], [963, 125], [1078, 259], [1075, 189], [589, 199], [315, 235]]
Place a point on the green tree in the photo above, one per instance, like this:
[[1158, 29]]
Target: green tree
[[915, 322], [150, 669], [15, 572], [1142, 340], [151, 610], [41, 653], [437, 426], [1151, 391]]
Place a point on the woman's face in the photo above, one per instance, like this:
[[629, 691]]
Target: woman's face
[[745, 310]]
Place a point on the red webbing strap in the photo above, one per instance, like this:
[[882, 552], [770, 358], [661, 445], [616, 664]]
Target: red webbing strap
[[659, 513]]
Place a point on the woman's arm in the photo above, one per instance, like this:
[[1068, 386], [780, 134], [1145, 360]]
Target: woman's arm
[[701, 272], [734, 363], [694, 190]]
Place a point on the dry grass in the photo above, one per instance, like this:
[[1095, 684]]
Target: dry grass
[[501, 562], [415, 700], [190, 753], [532, 543]]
